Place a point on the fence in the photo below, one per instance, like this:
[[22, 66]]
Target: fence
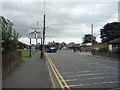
[[106, 54], [10, 59]]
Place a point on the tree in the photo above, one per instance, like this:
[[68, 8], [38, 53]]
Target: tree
[[110, 31], [88, 39], [9, 36], [22, 45]]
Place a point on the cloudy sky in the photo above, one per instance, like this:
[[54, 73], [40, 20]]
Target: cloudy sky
[[66, 21]]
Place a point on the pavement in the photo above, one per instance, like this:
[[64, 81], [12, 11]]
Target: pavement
[[33, 73]]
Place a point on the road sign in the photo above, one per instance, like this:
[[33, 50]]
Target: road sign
[[39, 35], [31, 35], [35, 33], [34, 29]]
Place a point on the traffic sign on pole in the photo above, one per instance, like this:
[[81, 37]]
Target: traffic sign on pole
[[31, 35]]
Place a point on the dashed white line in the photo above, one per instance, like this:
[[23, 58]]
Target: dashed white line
[[98, 78], [97, 68], [105, 66], [72, 80], [88, 78], [75, 72], [85, 74], [109, 82]]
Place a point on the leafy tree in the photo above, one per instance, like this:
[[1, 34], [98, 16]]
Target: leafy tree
[[88, 39], [9, 36], [22, 45], [63, 43], [110, 31]]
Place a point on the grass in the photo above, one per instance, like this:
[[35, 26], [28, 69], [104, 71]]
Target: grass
[[25, 53]]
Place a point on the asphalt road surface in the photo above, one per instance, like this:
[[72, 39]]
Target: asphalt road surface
[[83, 70]]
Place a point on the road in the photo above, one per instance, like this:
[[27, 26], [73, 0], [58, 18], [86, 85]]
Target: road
[[83, 70]]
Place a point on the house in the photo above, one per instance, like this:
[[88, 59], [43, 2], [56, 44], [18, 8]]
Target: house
[[73, 45], [70, 45], [86, 47], [114, 44]]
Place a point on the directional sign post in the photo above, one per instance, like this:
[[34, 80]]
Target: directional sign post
[[34, 33]]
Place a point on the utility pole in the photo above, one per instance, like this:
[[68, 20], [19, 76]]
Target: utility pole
[[42, 48], [43, 37]]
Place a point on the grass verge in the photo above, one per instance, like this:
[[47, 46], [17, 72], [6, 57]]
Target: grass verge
[[25, 53]]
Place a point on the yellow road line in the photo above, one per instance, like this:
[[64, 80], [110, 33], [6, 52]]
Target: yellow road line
[[56, 75], [56, 72], [60, 75]]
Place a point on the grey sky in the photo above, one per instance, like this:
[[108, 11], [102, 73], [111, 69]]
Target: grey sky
[[66, 21]]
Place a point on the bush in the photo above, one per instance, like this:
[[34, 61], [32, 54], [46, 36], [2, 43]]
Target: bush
[[105, 49]]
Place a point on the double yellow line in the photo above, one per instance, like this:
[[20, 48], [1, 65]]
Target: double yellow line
[[59, 77]]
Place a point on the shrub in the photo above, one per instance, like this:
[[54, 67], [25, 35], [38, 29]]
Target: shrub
[[104, 49]]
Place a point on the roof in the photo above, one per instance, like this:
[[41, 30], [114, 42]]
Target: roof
[[86, 44], [70, 44], [117, 40]]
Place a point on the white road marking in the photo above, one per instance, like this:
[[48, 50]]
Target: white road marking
[[98, 78], [109, 82], [88, 78], [75, 72], [97, 68], [85, 74], [106, 66], [72, 80], [102, 65]]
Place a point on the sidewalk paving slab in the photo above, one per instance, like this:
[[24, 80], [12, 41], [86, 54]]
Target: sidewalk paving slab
[[33, 73]]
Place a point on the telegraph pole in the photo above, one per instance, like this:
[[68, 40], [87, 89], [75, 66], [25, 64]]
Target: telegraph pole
[[43, 37], [42, 48]]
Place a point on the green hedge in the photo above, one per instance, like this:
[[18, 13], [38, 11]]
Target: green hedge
[[105, 49]]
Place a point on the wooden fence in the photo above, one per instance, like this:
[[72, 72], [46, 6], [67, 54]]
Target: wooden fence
[[10, 59], [106, 54]]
